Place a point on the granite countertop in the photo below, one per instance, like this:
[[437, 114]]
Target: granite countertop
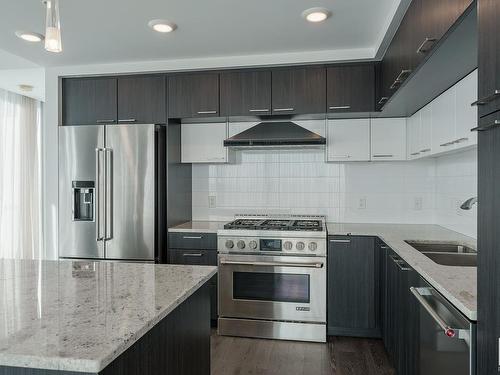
[[80, 316], [457, 284], [199, 227]]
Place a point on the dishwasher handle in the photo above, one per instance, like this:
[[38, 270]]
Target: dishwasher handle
[[447, 330]]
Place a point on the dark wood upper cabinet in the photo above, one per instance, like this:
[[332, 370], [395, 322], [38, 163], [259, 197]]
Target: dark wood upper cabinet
[[489, 57], [245, 93], [193, 95], [353, 307], [298, 90], [351, 88], [424, 24], [141, 99], [89, 101]]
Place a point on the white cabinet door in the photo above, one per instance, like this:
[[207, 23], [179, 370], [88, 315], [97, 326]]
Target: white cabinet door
[[348, 140], [388, 139], [466, 115], [203, 143], [443, 122], [425, 132], [413, 131]]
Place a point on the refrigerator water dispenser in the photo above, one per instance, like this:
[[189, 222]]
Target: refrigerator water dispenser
[[83, 200]]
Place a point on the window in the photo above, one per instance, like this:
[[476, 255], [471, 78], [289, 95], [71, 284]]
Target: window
[[20, 181]]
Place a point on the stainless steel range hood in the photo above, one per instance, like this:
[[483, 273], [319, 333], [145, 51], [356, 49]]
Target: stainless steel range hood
[[275, 134]]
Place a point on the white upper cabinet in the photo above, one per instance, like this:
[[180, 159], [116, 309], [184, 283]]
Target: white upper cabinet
[[466, 115], [413, 131], [348, 140], [443, 116], [203, 143], [425, 146], [388, 139]]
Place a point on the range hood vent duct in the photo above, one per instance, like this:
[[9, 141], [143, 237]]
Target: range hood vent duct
[[277, 134]]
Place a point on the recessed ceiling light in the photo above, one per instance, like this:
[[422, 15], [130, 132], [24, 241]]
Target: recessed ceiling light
[[162, 26], [29, 36], [316, 14]]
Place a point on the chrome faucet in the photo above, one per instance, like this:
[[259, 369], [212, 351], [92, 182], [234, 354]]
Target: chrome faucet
[[467, 205]]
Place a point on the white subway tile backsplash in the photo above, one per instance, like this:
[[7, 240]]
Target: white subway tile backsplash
[[301, 182]]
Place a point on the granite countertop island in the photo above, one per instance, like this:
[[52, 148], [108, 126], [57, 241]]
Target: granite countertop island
[[457, 284], [82, 316]]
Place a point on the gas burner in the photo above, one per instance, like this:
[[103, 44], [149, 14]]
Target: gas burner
[[291, 223]]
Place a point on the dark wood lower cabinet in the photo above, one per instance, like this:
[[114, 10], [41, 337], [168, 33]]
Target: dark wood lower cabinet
[[353, 287], [178, 345], [488, 267]]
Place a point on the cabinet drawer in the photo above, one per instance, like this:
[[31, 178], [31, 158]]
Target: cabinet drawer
[[185, 240], [193, 257]]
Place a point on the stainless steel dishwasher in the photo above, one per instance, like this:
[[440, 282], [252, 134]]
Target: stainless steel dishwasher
[[447, 338]]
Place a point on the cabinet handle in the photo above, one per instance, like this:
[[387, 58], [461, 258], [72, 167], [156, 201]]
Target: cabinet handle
[[487, 127], [415, 153], [283, 109], [206, 112], [400, 78], [192, 237], [425, 150], [487, 99], [340, 107], [259, 110], [105, 121], [340, 241], [194, 255], [383, 99], [402, 267], [341, 156], [382, 156], [447, 144], [421, 49], [459, 140], [128, 120]]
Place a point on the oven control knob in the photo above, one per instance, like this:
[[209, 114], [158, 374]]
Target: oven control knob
[[300, 246], [287, 245], [229, 244], [313, 246], [252, 245], [241, 244]]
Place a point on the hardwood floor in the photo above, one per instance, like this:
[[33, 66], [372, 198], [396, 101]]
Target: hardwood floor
[[340, 356]]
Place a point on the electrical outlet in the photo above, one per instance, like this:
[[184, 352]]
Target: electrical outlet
[[418, 203], [212, 202], [362, 204]]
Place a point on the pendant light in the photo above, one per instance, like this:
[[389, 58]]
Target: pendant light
[[53, 27]]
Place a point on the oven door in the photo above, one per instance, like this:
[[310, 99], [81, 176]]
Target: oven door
[[272, 287]]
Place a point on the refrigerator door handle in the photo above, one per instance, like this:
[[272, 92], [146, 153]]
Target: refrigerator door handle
[[98, 236], [108, 161]]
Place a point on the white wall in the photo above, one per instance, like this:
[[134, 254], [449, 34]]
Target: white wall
[[456, 181]]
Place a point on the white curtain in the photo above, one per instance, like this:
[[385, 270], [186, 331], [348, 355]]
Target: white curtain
[[20, 181]]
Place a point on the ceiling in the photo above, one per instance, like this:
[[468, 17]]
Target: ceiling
[[107, 31]]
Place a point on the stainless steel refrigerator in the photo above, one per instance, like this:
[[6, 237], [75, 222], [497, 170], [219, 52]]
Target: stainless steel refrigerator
[[113, 191]]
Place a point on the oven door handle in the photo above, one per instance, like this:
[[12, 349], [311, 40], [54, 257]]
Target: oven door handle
[[273, 264]]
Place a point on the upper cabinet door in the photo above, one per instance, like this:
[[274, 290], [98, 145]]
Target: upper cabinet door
[[245, 93], [489, 56], [348, 140], [466, 116], [351, 88], [141, 99], [388, 139], [89, 101], [193, 95], [443, 120], [299, 90]]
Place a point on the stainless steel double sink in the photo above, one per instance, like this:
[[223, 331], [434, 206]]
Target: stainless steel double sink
[[447, 254]]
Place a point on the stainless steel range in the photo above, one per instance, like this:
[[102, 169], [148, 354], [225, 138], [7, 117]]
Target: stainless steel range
[[272, 277]]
